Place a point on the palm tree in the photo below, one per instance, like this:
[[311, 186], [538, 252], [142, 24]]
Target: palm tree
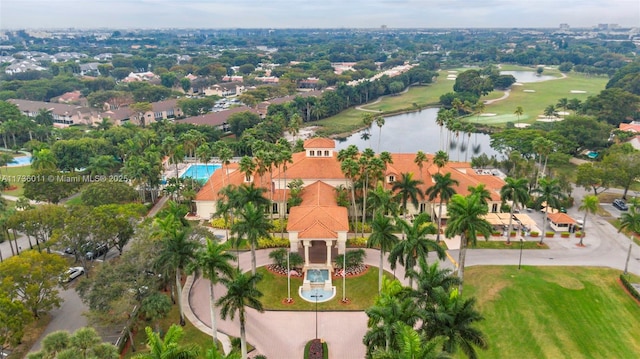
[[252, 224], [383, 201], [241, 292], [466, 219], [176, 253], [440, 159], [453, 319], [382, 236], [168, 347], [407, 189], [630, 220], [388, 310], [480, 190], [411, 344], [247, 166], [589, 206], [549, 193], [516, 191], [101, 165], [518, 112], [367, 120], [428, 279], [420, 160], [379, 120], [563, 103], [213, 260], [416, 245], [442, 188], [43, 159]]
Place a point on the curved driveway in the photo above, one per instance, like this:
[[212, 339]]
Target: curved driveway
[[282, 334]]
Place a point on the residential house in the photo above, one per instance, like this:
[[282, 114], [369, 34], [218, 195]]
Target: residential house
[[23, 66], [72, 97], [234, 78], [89, 69], [228, 89], [64, 115], [217, 119]]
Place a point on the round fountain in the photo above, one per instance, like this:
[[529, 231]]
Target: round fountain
[[317, 286]]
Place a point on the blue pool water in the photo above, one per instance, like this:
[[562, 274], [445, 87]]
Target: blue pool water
[[20, 161], [200, 172], [317, 275], [322, 295]]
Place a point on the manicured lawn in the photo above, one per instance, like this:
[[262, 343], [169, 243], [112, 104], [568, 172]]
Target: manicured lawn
[[554, 312], [530, 243], [361, 291], [546, 93], [13, 175]]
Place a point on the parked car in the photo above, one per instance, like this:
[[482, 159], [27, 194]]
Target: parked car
[[96, 253], [619, 204], [71, 274]]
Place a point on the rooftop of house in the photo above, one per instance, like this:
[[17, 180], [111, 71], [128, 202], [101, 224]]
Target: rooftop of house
[[55, 108]]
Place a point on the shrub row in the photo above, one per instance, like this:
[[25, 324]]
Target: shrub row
[[357, 242], [630, 288], [273, 242]]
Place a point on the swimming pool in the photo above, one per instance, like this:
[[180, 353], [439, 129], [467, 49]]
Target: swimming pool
[[20, 161], [200, 172]]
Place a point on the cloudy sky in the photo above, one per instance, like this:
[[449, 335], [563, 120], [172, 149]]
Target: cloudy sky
[[316, 13]]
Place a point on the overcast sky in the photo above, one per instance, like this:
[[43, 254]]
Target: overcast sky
[[317, 13]]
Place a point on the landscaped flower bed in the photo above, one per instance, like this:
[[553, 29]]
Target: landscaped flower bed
[[549, 234], [316, 349], [295, 272], [565, 234], [534, 234]]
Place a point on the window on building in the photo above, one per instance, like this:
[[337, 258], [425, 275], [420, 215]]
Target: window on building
[[312, 153], [274, 208], [391, 179], [494, 208], [326, 153], [423, 207]]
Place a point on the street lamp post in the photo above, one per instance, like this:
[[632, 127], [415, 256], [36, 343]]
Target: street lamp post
[[520, 260], [316, 296]]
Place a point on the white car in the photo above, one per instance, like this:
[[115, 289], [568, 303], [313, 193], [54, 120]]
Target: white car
[[71, 274]]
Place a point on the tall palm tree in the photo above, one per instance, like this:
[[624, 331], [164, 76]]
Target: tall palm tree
[[247, 166], [589, 205], [416, 245], [440, 159], [630, 220], [466, 220], [516, 191], [383, 201], [407, 189], [252, 224], [443, 189], [518, 112], [549, 193], [43, 159], [213, 260], [367, 120], [101, 165], [428, 278], [420, 160], [379, 120], [351, 170], [382, 236], [176, 253], [482, 192], [169, 346], [453, 319], [241, 292]]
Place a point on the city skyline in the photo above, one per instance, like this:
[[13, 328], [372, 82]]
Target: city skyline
[[123, 14]]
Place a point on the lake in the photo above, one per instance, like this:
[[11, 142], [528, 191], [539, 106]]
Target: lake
[[527, 76], [411, 132]]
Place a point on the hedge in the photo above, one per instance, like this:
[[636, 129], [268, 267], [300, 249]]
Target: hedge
[[325, 350], [273, 242], [357, 242], [630, 288]]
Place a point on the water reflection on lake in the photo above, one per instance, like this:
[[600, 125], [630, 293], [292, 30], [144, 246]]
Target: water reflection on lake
[[411, 132], [527, 76]]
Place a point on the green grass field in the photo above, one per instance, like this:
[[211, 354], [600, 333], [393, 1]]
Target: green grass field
[[533, 103], [554, 312], [546, 93], [13, 175], [361, 291], [531, 243]]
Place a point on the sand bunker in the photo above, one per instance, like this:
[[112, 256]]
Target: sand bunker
[[517, 84], [577, 91], [529, 91], [487, 114], [549, 119], [452, 71], [521, 125], [563, 113]]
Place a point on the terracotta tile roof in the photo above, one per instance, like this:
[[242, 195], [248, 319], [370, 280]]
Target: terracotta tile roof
[[561, 218], [319, 142], [314, 168], [166, 105], [318, 216], [632, 127]]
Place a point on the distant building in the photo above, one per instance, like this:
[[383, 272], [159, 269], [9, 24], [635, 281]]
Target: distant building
[[63, 115]]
